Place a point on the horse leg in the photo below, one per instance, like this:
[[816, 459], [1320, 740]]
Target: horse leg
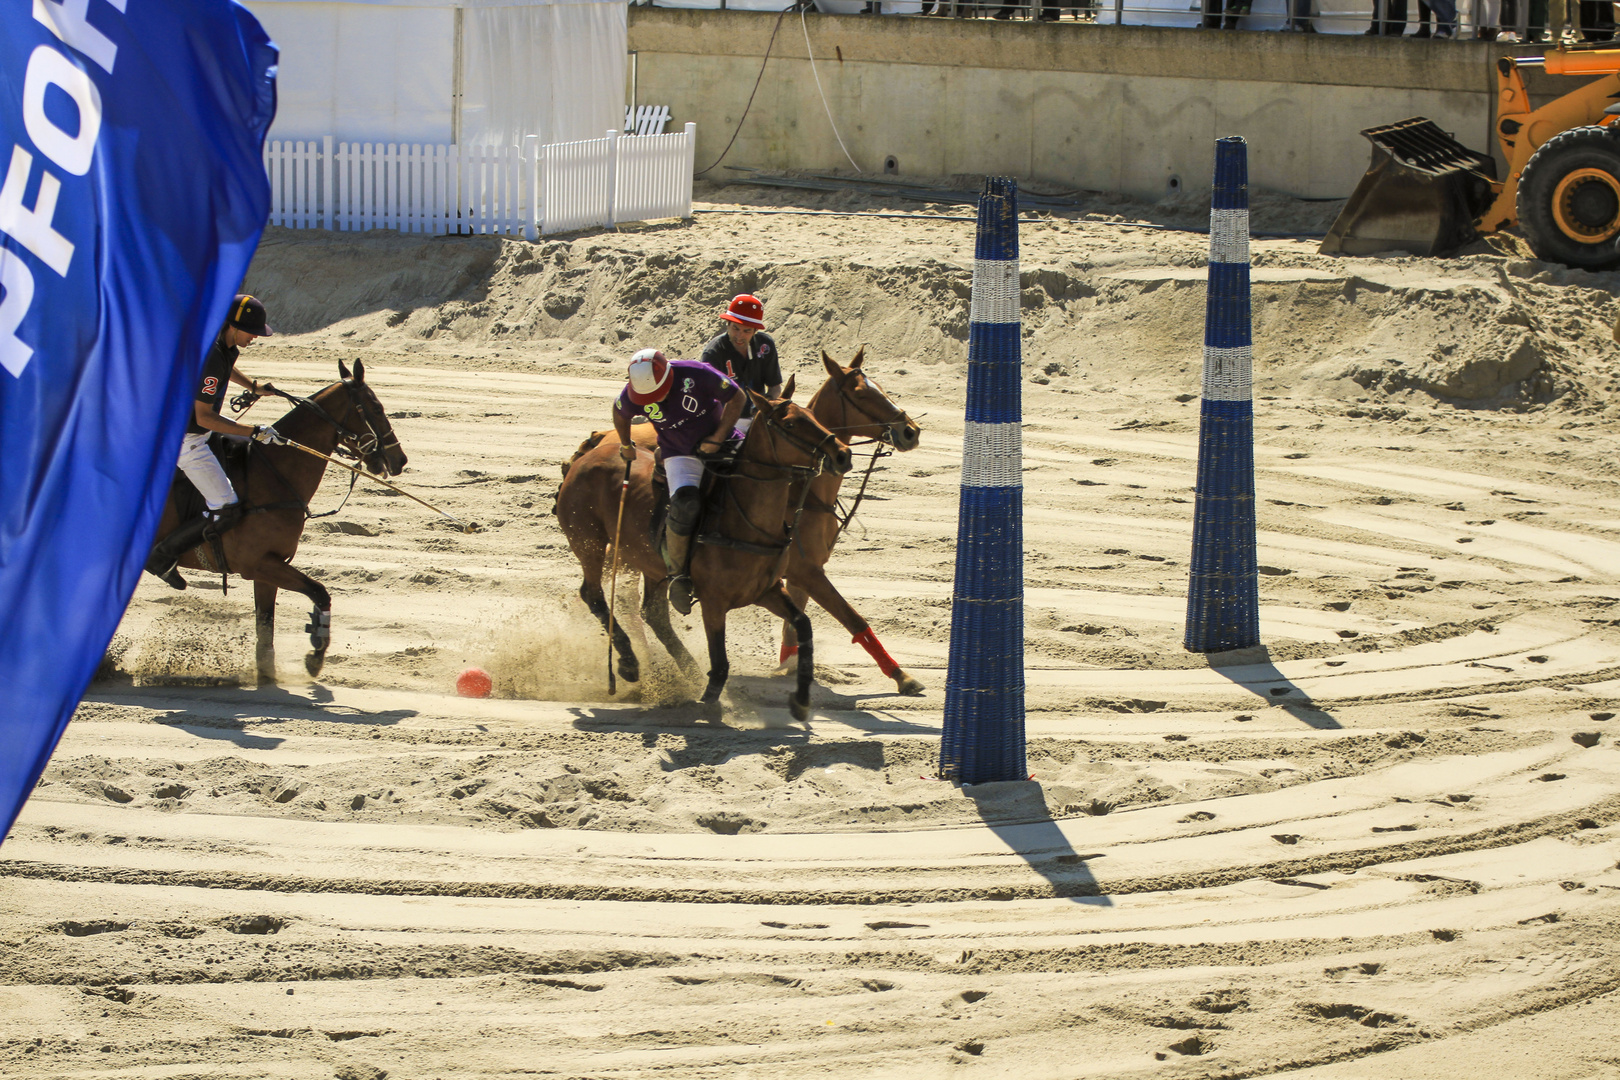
[[714, 627], [777, 601], [596, 600], [822, 592], [274, 574], [655, 613], [790, 640], [264, 622]]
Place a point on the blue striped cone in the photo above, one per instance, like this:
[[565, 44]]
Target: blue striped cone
[[984, 684], [1223, 603]]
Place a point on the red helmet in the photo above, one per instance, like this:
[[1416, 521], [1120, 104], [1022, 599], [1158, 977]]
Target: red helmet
[[747, 310], [649, 377]]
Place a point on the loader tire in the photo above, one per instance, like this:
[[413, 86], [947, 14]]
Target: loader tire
[[1569, 199]]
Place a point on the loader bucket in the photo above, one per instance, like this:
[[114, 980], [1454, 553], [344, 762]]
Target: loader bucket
[[1422, 193]]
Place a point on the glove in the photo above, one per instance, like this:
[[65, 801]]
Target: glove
[[264, 433]]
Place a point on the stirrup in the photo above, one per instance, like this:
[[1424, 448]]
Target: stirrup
[[680, 593], [165, 568]]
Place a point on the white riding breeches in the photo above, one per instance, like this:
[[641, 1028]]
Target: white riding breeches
[[743, 424], [683, 472], [202, 468]]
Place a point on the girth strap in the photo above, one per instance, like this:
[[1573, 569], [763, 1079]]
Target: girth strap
[[717, 540]]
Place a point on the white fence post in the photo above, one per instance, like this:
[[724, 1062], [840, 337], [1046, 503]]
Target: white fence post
[[686, 171], [612, 175], [327, 221]]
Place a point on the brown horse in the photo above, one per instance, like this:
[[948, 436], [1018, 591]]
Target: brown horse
[[280, 482], [739, 556], [852, 406]]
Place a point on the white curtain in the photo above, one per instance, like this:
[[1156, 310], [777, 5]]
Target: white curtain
[[556, 70], [361, 72]]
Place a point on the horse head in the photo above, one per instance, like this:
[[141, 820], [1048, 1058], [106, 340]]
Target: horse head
[[867, 411], [363, 424], [793, 436]]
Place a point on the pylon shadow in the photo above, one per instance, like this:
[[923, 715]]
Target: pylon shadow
[[1253, 670], [1016, 812]]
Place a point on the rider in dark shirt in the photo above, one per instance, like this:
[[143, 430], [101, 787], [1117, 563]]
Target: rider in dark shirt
[[746, 352], [244, 323]]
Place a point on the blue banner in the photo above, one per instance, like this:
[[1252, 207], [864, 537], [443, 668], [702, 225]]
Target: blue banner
[[132, 197]]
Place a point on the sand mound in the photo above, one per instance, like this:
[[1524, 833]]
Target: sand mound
[[1490, 330]]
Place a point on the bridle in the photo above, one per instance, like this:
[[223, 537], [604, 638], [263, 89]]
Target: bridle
[[890, 426], [882, 445], [818, 451], [356, 444]]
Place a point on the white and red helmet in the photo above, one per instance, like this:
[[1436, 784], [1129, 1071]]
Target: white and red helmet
[[746, 310], [649, 377]]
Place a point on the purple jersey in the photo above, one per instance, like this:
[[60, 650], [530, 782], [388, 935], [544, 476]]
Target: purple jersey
[[691, 410]]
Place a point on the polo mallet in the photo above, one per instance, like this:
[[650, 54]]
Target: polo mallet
[[613, 573]]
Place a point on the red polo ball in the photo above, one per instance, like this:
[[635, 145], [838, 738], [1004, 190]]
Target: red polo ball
[[474, 682]]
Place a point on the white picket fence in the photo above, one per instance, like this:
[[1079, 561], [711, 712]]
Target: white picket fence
[[527, 191]]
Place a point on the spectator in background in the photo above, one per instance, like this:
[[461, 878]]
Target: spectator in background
[[1425, 21], [1394, 21], [1490, 13], [1231, 18], [1300, 19], [1445, 17]]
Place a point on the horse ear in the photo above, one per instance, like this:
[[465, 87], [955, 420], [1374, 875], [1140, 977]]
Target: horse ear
[[833, 370], [860, 358], [359, 370], [343, 369], [787, 391]]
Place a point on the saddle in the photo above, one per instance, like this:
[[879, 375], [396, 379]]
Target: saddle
[[233, 458], [711, 493]]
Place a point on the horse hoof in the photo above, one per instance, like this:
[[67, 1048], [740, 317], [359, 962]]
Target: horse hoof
[[710, 695], [630, 672], [267, 676], [800, 709], [314, 661], [789, 668], [908, 685]]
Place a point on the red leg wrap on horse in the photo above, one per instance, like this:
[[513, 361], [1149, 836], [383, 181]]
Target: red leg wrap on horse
[[868, 641], [788, 652]]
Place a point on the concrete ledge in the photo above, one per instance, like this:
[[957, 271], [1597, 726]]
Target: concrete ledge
[[1319, 59], [1132, 109]]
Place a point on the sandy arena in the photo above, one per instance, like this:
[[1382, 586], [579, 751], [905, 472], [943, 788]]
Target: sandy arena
[[1383, 846]]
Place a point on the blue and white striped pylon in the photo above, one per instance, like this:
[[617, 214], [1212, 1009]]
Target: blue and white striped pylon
[[1223, 600], [984, 685]]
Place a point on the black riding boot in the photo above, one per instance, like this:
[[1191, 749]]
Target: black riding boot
[[164, 562], [678, 551]]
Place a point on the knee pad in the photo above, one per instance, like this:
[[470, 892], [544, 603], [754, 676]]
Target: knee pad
[[683, 511]]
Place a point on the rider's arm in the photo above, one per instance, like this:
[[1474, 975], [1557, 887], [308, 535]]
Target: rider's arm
[[242, 380], [211, 420], [621, 424], [728, 421], [773, 391]]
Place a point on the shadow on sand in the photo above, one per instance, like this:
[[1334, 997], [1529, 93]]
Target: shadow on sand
[[1253, 670], [1016, 812]]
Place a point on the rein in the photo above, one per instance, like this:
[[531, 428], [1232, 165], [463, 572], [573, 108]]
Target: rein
[[880, 449], [804, 473]]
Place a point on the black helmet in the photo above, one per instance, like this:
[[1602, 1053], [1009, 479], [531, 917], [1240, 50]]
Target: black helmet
[[247, 315]]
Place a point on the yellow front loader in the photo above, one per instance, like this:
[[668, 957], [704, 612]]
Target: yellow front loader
[[1428, 194]]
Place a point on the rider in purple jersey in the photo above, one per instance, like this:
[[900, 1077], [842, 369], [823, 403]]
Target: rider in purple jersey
[[693, 408]]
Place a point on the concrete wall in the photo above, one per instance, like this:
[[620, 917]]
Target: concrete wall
[[1071, 105]]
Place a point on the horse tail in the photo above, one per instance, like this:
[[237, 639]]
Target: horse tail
[[591, 443]]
